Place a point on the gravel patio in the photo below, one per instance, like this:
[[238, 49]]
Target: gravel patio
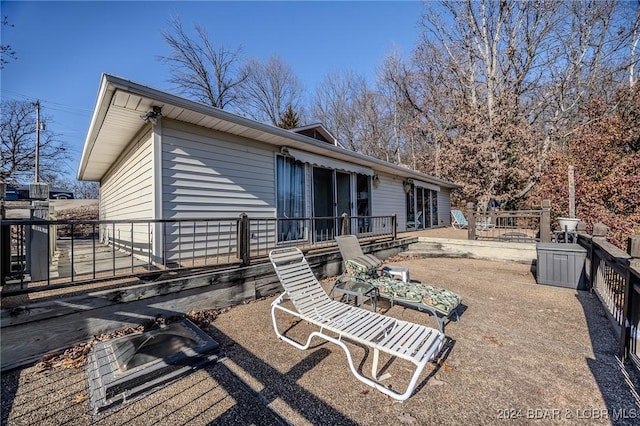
[[520, 353]]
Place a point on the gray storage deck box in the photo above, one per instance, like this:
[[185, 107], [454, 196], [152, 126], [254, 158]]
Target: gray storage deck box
[[561, 265]]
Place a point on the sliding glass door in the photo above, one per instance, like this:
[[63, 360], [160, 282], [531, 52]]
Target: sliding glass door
[[333, 197], [363, 210], [290, 204], [323, 204], [343, 197], [333, 193], [422, 208]]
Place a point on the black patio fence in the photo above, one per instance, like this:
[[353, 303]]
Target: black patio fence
[[516, 226], [41, 254], [614, 277]]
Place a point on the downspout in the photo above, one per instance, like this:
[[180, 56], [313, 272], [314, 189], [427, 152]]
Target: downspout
[[157, 253]]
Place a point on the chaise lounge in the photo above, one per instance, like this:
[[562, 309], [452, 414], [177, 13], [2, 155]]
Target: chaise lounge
[[458, 220], [339, 321], [441, 303]]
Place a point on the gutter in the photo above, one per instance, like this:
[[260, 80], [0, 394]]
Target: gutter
[[112, 83]]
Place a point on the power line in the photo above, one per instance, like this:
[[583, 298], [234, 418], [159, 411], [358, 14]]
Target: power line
[[57, 105]]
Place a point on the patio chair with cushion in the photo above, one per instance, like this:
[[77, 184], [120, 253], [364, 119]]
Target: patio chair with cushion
[[339, 321], [442, 304], [353, 255]]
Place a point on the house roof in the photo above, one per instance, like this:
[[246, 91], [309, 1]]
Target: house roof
[[318, 130], [117, 119]]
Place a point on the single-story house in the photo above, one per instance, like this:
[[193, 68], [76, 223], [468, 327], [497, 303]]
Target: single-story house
[[162, 156]]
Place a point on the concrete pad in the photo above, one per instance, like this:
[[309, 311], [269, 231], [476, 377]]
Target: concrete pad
[[489, 250]]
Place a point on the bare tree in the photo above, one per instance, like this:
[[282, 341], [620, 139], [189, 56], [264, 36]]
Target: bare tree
[[269, 89], [203, 71], [335, 105], [633, 46], [390, 96], [361, 118], [86, 190], [7, 54], [404, 99], [375, 129], [18, 143], [497, 85]]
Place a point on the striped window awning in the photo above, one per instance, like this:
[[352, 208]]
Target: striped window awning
[[426, 185], [329, 163]]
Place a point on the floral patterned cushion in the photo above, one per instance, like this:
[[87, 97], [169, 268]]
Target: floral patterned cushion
[[363, 267], [441, 300], [366, 267]]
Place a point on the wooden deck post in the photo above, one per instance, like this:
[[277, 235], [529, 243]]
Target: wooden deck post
[[244, 242], [394, 226], [545, 222], [630, 304], [471, 220]]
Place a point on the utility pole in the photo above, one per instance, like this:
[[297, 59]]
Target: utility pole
[[39, 244], [37, 175]]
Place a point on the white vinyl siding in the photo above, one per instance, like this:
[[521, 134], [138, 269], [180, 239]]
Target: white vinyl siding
[[208, 174], [389, 198], [126, 194], [444, 207], [125, 191]]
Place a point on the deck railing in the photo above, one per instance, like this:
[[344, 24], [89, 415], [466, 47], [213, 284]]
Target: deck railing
[[519, 226], [614, 277], [259, 236], [91, 250]]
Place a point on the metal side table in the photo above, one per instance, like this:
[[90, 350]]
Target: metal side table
[[349, 286]]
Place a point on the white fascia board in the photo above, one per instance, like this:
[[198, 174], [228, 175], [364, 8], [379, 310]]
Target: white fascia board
[[99, 113], [283, 137]]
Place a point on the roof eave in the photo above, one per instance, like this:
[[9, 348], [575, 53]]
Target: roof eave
[[109, 84], [99, 113]]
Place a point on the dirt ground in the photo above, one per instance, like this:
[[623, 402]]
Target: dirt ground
[[520, 353]]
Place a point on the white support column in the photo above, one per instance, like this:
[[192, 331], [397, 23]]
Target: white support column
[[156, 148]]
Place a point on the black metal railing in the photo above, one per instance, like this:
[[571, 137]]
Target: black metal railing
[[520, 226], [260, 235], [615, 278], [38, 254]]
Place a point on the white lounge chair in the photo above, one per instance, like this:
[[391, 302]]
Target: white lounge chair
[[412, 342], [460, 222]]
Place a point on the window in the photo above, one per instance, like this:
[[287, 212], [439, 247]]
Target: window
[[289, 198]]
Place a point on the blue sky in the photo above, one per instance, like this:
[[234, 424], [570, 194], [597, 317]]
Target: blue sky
[[64, 47]]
